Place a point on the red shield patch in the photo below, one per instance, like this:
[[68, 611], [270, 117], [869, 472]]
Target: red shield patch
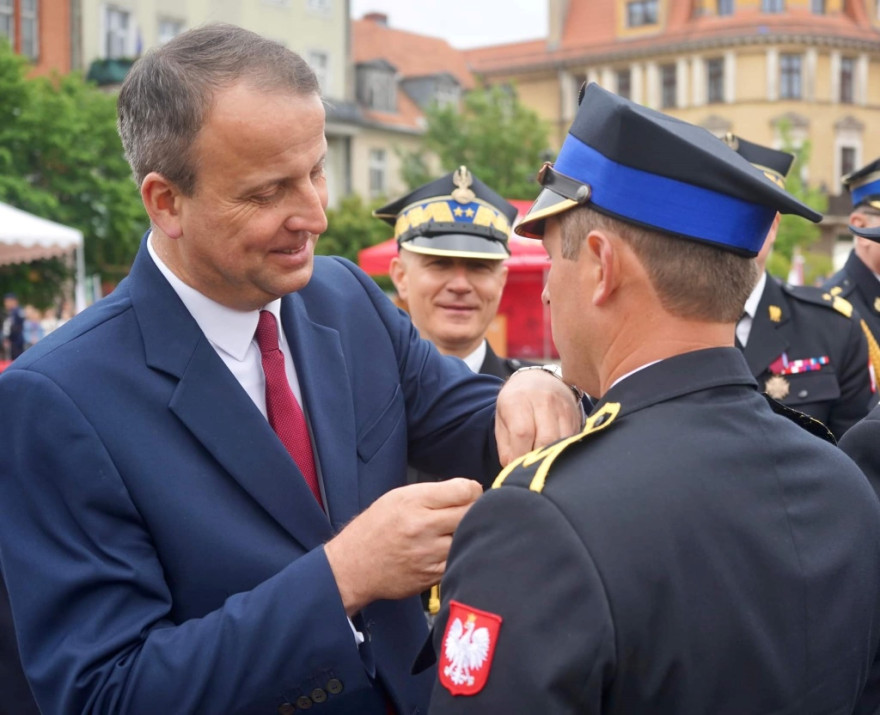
[[468, 647]]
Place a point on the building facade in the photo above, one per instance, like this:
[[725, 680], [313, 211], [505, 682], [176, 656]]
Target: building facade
[[758, 68], [40, 30]]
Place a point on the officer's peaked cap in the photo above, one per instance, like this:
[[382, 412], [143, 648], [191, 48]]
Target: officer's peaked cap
[[456, 215], [652, 170], [774, 163], [864, 185]]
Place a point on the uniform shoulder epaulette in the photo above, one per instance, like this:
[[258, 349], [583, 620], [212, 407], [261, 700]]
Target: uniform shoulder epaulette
[[818, 296], [531, 469], [839, 284]]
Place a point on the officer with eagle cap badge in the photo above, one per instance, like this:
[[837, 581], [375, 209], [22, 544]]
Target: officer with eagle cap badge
[[805, 347], [690, 551]]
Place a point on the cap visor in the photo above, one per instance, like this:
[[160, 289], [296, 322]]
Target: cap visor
[[458, 245], [548, 204], [870, 233]]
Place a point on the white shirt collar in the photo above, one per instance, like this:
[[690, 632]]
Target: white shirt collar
[[227, 329], [475, 360], [751, 306]]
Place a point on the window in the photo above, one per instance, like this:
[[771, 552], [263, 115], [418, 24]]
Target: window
[[725, 7], [772, 5], [715, 80], [169, 29], [817, 6], [624, 83], [446, 92], [847, 71], [117, 34], [847, 160], [319, 61], [641, 12], [789, 76], [377, 173], [7, 26], [668, 85], [29, 30]]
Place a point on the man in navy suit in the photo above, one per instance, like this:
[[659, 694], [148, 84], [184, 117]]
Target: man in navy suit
[[164, 549]]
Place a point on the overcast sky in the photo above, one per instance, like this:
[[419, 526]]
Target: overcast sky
[[463, 23]]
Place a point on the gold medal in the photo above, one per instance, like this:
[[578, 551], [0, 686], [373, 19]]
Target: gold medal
[[777, 387]]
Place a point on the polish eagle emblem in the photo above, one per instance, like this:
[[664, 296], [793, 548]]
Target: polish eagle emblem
[[468, 648]]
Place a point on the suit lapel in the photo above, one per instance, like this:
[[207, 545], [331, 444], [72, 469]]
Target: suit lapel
[[768, 339], [210, 402], [329, 406]]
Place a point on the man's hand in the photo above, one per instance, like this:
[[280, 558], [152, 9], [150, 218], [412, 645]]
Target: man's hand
[[398, 546], [534, 409]]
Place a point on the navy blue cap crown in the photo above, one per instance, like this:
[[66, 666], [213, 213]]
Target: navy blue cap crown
[[864, 185], [455, 215], [652, 170], [774, 163]]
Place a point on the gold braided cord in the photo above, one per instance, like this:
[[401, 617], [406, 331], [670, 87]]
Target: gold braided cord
[[873, 349]]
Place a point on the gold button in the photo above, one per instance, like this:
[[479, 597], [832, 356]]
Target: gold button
[[334, 686], [304, 702], [318, 695], [286, 709]]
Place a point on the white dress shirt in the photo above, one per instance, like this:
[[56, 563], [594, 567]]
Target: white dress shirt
[[744, 326]]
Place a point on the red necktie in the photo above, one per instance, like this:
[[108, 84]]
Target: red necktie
[[285, 414]]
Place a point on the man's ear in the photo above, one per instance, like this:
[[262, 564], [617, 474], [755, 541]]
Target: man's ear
[[857, 219], [162, 200], [397, 273], [604, 262]]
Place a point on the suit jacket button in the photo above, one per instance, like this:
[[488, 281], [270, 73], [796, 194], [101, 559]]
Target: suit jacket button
[[304, 702], [318, 695], [803, 393], [334, 686], [286, 709]]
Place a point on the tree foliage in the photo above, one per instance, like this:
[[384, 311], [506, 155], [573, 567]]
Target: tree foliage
[[494, 135], [794, 231], [61, 159]]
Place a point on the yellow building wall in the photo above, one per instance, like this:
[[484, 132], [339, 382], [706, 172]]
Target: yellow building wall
[[751, 75], [393, 143]]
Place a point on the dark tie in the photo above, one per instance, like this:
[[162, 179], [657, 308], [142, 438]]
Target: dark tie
[[285, 414]]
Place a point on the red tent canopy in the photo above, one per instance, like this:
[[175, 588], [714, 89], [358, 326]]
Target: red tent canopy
[[526, 254]]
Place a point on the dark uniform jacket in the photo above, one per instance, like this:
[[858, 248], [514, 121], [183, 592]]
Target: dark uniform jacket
[[859, 286], [691, 552], [862, 443], [794, 330]]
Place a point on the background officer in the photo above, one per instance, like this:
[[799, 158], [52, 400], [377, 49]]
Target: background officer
[[804, 346], [689, 551], [452, 239], [857, 281]]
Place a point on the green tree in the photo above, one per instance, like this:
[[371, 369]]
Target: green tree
[[794, 231], [60, 158], [497, 138]]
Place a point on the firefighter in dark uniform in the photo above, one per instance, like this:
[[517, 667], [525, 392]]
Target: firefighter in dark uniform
[[804, 346], [452, 237], [857, 281], [690, 551]]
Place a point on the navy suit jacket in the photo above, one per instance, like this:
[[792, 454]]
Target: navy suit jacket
[[161, 549]]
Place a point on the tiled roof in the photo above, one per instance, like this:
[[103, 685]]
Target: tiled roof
[[413, 55], [590, 30]]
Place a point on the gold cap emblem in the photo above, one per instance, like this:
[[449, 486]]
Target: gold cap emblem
[[462, 179], [777, 387]]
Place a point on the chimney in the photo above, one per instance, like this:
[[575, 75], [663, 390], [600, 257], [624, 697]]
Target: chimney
[[380, 18], [556, 12]]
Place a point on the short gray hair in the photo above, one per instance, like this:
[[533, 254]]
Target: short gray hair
[[693, 280], [168, 93]]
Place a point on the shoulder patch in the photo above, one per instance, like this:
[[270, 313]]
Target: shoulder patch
[[531, 469], [818, 296]]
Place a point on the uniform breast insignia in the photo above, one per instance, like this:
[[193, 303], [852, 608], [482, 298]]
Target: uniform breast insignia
[[877, 304], [532, 468], [468, 648], [775, 313], [777, 387], [842, 306]]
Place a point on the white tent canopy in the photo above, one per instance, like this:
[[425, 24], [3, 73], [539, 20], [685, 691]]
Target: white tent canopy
[[25, 238]]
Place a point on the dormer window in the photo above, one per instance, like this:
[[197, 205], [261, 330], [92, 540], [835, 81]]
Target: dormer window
[[641, 12]]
